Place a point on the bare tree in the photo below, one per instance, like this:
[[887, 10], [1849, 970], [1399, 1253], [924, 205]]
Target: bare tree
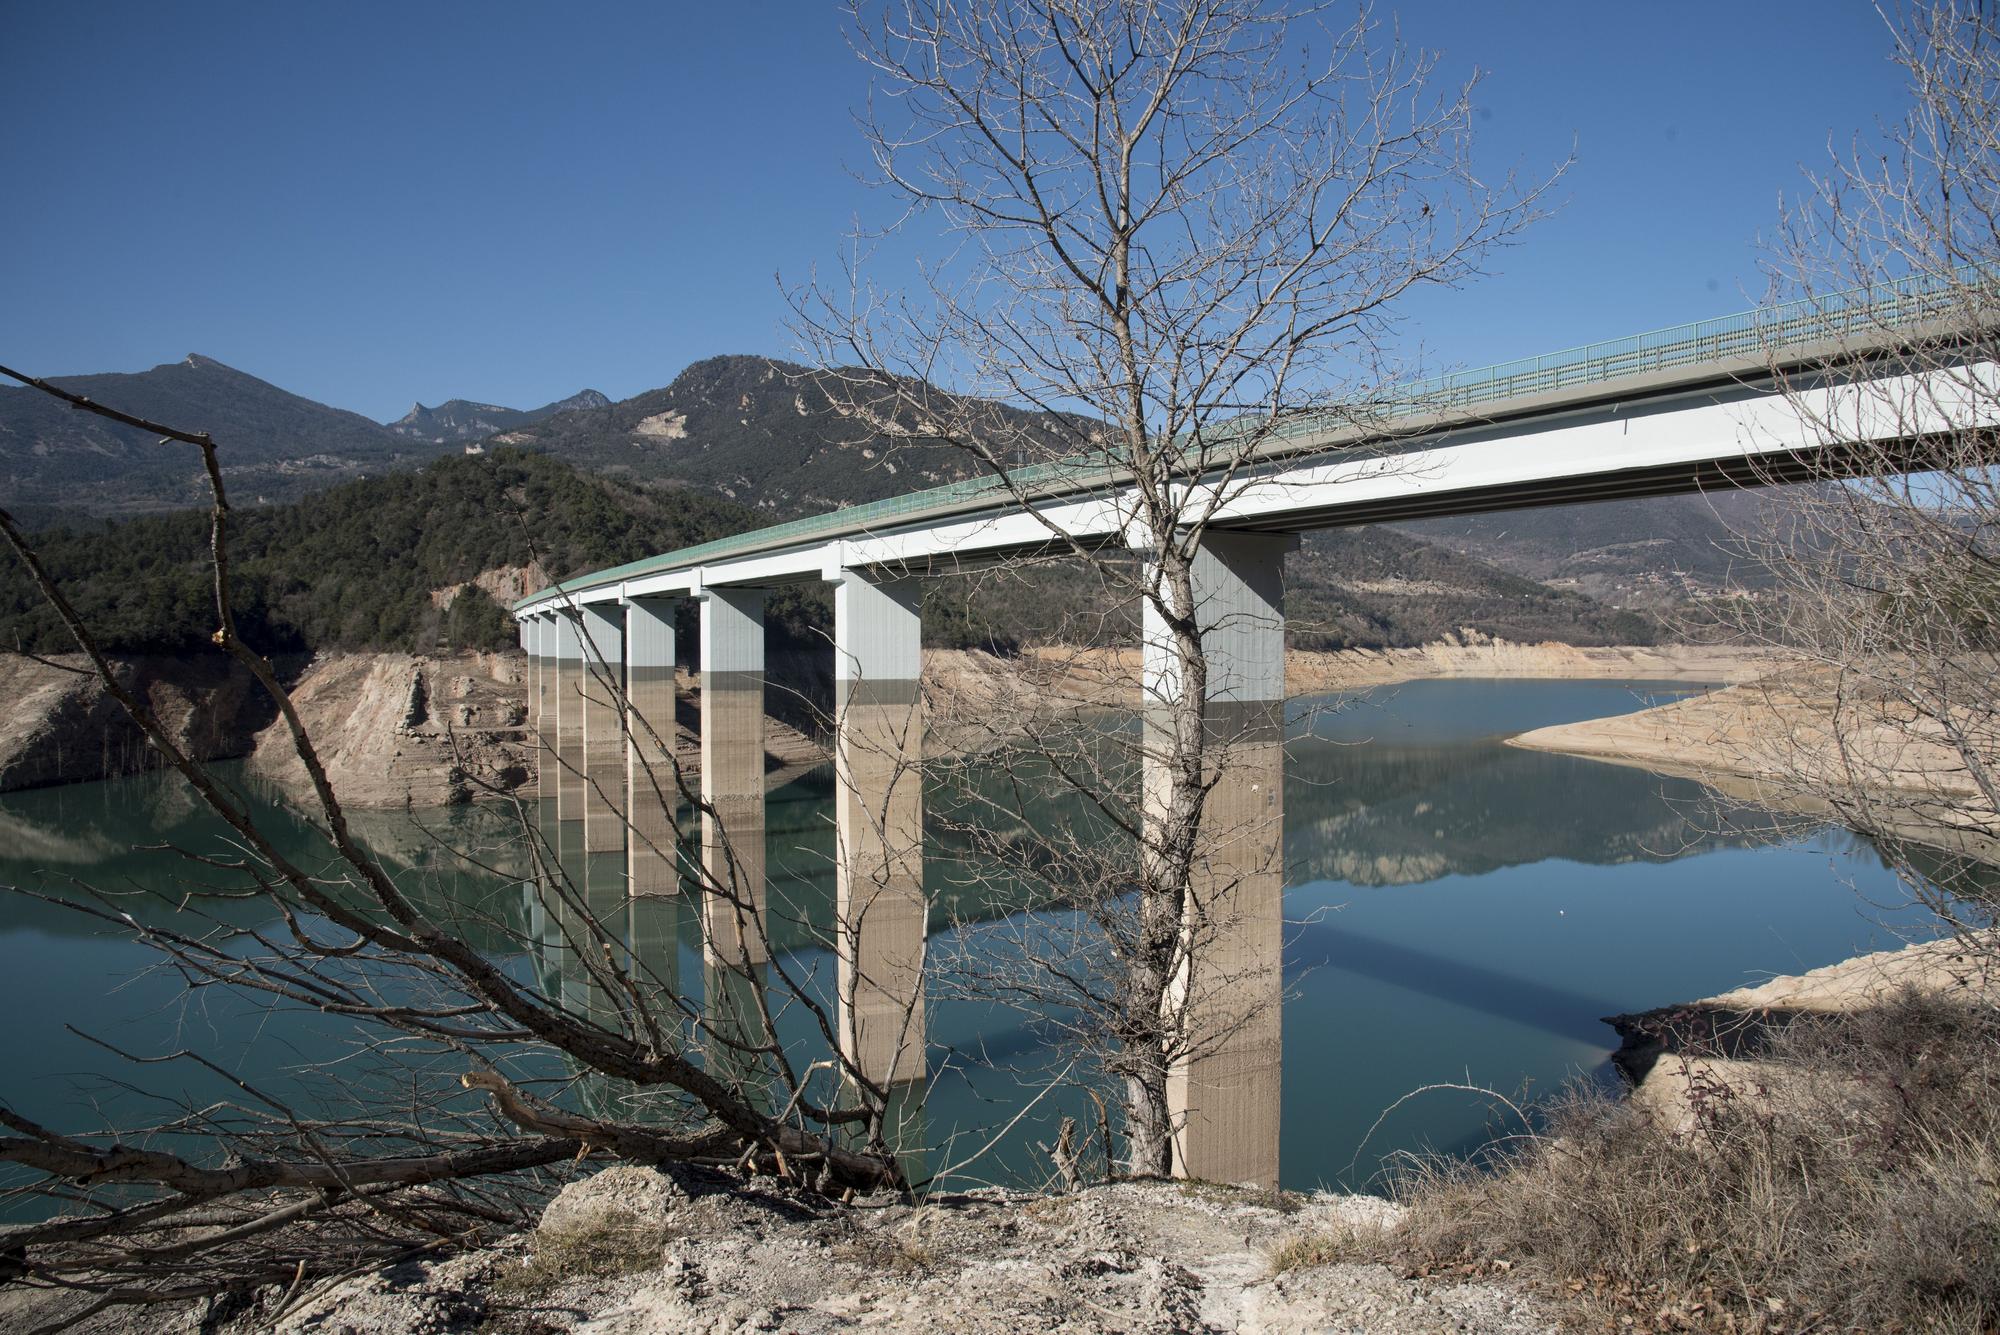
[[256, 1189], [1176, 229], [1885, 568]]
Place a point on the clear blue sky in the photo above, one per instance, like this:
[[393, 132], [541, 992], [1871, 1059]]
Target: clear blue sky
[[371, 203]]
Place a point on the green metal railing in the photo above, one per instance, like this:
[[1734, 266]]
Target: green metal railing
[[1760, 333]]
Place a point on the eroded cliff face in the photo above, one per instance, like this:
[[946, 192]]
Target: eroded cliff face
[[391, 728], [60, 725], [396, 729]]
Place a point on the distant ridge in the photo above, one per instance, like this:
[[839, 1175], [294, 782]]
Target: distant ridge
[[751, 429], [456, 421], [276, 445]]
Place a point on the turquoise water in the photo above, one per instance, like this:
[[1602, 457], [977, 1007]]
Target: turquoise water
[[1462, 912]]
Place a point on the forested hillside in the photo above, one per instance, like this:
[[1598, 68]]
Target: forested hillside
[[1654, 552], [1373, 587], [353, 567]]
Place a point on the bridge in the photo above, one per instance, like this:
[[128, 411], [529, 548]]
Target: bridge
[[1740, 400]]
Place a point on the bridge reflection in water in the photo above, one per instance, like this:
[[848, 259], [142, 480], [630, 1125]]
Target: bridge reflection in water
[[1452, 903], [1659, 413], [1415, 806]]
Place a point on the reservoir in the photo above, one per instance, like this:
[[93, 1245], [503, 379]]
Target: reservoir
[[1460, 913]]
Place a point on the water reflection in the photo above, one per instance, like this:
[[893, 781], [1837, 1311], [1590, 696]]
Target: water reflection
[[1459, 907], [1387, 814]]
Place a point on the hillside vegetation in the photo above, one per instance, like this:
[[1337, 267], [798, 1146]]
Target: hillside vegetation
[[1654, 552], [353, 567], [1369, 588]]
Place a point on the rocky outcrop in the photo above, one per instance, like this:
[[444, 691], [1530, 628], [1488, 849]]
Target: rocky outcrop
[[1668, 1053], [62, 726], [506, 585], [395, 729]]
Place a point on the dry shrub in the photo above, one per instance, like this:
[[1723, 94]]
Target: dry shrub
[[1852, 1182], [1308, 1251], [606, 1245], [1338, 1244]]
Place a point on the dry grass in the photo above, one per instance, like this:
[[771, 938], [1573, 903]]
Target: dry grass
[[616, 1242], [1855, 1185], [1306, 1251], [890, 1254]]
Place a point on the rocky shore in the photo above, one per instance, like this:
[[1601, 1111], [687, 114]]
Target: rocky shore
[[432, 730], [1668, 1053], [62, 726]]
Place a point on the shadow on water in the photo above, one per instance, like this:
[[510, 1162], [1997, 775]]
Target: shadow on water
[[1524, 1001]]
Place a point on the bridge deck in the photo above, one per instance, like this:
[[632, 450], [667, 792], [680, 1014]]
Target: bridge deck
[[1707, 362]]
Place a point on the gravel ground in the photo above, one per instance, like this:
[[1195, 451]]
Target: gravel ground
[[631, 1251]]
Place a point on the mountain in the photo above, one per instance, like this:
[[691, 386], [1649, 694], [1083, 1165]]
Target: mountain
[[275, 445], [748, 429], [1374, 587], [1640, 553], [759, 434], [753, 430], [456, 421]]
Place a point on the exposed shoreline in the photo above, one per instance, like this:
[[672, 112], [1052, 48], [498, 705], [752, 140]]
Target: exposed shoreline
[[399, 729], [1667, 1053], [1777, 742]]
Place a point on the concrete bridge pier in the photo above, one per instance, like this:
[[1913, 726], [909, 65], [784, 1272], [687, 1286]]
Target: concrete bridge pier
[[569, 718], [879, 906], [542, 711], [531, 679], [732, 773], [602, 686], [1224, 1096], [652, 789]]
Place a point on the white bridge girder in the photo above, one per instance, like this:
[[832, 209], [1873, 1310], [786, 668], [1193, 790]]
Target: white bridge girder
[[1655, 442]]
